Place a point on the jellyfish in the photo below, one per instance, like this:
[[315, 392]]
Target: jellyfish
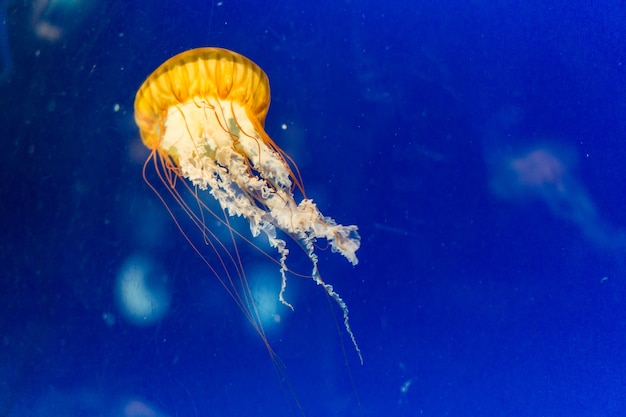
[[202, 115]]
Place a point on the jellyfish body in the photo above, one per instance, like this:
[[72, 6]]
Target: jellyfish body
[[202, 114]]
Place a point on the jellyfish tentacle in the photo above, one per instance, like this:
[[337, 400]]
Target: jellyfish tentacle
[[346, 316]]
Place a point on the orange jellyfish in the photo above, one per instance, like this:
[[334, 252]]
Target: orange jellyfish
[[202, 113]]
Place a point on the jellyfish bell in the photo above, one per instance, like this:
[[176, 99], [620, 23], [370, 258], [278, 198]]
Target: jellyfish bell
[[202, 114]]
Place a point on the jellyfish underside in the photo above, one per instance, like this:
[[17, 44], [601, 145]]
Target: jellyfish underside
[[209, 130]]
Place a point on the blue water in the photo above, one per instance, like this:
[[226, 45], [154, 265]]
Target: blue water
[[479, 147]]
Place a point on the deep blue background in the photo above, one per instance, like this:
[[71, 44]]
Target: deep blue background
[[400, 118]]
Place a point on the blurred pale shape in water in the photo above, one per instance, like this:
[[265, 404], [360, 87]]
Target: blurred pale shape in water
[[142, 294], [264, 285], [546, 173], [51, 20], [139, 408]]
